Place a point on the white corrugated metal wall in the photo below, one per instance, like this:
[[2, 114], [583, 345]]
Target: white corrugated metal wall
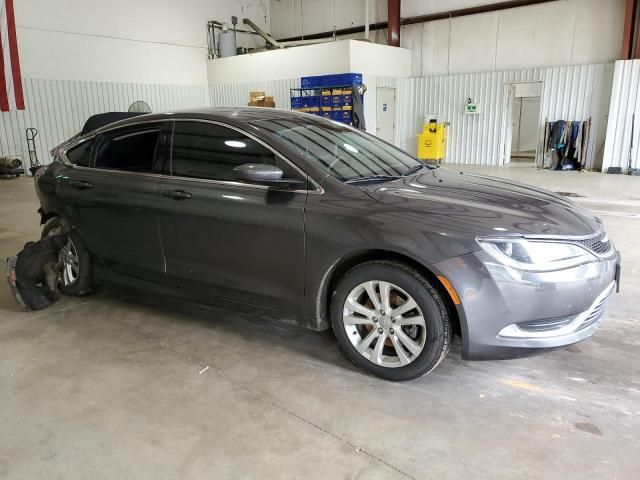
[[237, 94], [568, 93], [577, 93], [59, 108], [625, 103]]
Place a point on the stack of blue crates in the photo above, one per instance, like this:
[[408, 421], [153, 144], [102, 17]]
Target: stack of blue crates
[[312, 97]]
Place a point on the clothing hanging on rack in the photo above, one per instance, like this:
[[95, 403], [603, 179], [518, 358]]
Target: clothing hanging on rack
[[565, 144]]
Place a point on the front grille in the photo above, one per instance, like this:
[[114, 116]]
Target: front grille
[[599, 244], [546, 324]]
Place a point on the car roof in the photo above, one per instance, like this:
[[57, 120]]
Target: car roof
[[231, 115]]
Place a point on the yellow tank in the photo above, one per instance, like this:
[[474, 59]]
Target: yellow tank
[[432, 141]]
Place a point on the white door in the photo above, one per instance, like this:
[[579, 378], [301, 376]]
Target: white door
[[385, 113]]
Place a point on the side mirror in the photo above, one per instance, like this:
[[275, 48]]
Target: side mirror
[[264, 174]]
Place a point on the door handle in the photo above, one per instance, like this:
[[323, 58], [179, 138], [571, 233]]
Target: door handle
[[177, 194], [80, 184]]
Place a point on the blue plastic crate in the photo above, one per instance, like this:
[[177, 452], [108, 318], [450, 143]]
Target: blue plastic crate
[[311, 82], [326, 100], [311, 101], [331, 81], [356, 79], [336, 115], [296, 102], [347, 99], [342, 80]]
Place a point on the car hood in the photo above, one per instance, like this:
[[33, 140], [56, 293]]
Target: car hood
[[462, 203]]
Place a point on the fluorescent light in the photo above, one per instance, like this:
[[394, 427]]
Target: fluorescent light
[[235, 144], [350, 148]]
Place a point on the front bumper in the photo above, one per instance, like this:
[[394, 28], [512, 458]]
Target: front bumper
[[508, 313]]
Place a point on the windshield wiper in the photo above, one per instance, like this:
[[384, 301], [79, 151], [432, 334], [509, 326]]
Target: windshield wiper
[[372, 178], [417, 168]]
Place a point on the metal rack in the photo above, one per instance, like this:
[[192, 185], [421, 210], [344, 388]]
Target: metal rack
[[330, 96], [335, 103]]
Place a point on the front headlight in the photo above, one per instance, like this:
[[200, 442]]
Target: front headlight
[[535, 255]]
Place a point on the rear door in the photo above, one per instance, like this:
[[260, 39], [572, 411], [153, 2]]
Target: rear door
[[226, 238], [110, 196]]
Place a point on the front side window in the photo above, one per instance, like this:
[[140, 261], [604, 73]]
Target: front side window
[[209, 151], [131, 151], [342, 152]]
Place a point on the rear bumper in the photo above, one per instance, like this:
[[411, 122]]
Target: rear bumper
[[507, 313]]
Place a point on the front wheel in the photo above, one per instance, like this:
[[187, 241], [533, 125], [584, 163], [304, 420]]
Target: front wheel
[[390, 321]]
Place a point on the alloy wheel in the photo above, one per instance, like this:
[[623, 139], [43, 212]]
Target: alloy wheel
[[384, 324], [70, 263]]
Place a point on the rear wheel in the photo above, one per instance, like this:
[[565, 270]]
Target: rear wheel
[[76, 278], [390, 321]]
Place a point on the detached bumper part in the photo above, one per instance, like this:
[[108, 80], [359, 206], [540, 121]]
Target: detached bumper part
[[13, 286]]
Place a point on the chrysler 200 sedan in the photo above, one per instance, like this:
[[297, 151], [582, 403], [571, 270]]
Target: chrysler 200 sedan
[[332, 228]]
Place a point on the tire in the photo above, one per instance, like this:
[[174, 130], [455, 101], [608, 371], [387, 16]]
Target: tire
[[398, 357], [81, 282]]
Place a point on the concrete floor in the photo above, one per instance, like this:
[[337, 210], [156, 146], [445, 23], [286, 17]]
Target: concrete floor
[[105, 387]]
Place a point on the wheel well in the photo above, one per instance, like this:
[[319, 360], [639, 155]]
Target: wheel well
[[45, 217], [350, 261]]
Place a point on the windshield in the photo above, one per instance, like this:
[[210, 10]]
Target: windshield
[[343, 152]]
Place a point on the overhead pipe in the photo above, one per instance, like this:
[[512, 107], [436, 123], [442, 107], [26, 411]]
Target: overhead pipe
[[262, 33], [272, 41], [366, 19], [463, 12], [393, 20]]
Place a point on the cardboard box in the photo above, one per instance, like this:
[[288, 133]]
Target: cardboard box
[[259, 99]]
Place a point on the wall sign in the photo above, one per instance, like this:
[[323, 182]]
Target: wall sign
[[471, 109]]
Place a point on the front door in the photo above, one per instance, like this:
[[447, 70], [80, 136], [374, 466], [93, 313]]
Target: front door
[[110, 193], [226, 238]]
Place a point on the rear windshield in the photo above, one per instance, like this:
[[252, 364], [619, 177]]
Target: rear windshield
[[341, 151]]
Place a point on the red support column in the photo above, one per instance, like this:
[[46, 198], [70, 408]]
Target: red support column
[[631, 31], [393, 19]]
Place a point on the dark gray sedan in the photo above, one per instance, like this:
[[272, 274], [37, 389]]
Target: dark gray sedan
[[329, 227]]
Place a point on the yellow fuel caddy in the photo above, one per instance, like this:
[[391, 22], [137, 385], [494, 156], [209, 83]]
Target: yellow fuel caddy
[[432, 141]]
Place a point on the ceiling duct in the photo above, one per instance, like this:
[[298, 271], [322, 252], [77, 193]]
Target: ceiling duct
[[276, 44]]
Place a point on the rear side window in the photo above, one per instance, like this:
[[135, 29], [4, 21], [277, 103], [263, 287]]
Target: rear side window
[[81, 155], [209, 151], [131, 151]]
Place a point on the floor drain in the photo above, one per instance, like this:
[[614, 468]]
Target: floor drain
[[570, 194]]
